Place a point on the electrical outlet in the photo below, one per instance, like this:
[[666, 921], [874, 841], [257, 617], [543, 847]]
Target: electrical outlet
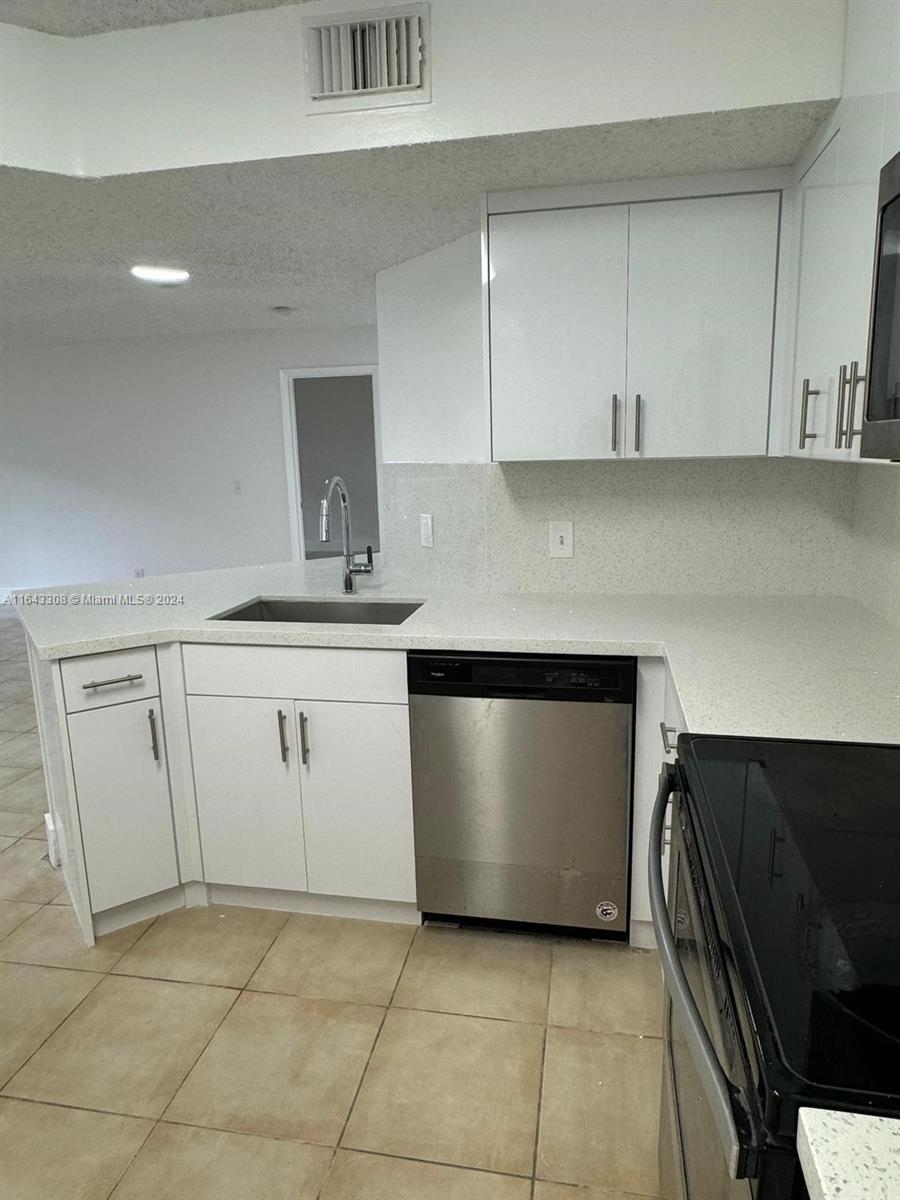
[[237, 487], [426, 530], [561, 539]]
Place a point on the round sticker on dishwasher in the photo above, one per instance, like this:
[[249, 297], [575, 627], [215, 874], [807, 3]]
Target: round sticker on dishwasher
[[606, 910]]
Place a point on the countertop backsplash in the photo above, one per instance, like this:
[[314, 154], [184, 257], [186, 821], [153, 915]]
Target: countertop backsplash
[[716, 527]]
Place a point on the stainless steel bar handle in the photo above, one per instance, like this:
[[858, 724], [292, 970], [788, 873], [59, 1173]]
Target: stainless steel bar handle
[[839, 420], [282, 740], [95, 683], [852, 386], [614, 443], [154, 741], [712, 1077], [637, 422], [665, 730], [804, 413], [304, 744]]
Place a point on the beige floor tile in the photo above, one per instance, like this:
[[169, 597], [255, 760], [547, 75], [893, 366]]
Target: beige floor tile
[[355, 1176], [16, 824], [25, 873], [127, 1048], [280, 1066], [19, 717], [13, 913], [26, 795], [14, 691], [38, 833], [330, 958], [33, 1001], [52, 938], [451, 1089], [6, 842], [600, 1110], [568, 1191], [10, 775], [63, 898], [24, 750], [6, 735], [54, 1153], [204, 945], [481, 974], [205, 1164], [606, 988]]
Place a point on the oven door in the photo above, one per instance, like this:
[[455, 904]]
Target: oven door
[[881, 417], [707, 1140]]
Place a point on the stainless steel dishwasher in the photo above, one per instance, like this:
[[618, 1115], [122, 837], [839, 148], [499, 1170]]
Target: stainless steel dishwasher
[[521, 768]]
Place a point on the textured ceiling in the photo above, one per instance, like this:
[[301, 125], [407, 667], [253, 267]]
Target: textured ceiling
[[311, 232], [77, 18]]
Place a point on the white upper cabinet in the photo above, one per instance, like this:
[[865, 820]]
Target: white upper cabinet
[[558, 304], [838, 209], [687, 286], [701, 304]]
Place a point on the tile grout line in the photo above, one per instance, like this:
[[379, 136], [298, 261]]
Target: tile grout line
[[540, 1095], [365, 1069]]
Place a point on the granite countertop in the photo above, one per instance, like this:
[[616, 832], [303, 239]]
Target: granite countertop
[[767, 666], [849, 1156]]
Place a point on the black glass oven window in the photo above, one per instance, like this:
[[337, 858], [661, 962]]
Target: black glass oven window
[[811, 834], [884, 369]]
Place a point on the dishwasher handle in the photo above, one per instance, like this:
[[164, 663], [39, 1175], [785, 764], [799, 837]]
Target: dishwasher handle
[[715, 1082]]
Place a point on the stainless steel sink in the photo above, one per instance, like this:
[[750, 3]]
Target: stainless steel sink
[[326, 612]]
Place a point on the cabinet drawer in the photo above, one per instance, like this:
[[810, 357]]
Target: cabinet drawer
[[301, 672], [97, 680]]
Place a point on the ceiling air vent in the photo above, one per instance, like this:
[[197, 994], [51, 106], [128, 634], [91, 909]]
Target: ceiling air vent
[[367, 60]]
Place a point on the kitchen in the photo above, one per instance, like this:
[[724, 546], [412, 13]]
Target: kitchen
[[563, 452]]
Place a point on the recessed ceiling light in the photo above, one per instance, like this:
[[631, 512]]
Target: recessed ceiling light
[[161, 274]]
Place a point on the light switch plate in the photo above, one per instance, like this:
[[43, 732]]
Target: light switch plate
[[426, 530], [562, 541]]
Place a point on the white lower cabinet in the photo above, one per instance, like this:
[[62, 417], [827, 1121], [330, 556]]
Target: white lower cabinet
[[357, 799], [245, 754], [124, 805]]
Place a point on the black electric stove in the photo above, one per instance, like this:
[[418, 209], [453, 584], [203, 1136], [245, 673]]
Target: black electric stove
[[784, 902]]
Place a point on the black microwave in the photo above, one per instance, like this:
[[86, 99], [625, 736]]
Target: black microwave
[[881, 418]]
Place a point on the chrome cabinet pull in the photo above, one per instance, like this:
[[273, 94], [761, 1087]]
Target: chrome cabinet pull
[[804, 413], [852, 387], [614, 443], [839, 420], [637, 422], [154, 741], [665, 730], [304, 744], [282, 740], [95, 683]]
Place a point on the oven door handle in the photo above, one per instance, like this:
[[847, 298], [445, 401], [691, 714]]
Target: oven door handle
[[713, 1078]]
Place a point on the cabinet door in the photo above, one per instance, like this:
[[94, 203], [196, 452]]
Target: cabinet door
[[122, 787], [820, 316], [558, 284], [701, 303], [357, 799], [248, 791]]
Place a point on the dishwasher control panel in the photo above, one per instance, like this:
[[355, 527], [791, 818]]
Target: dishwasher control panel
[[534, 677]]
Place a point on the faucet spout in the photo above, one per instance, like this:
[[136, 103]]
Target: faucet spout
[[351, 568]]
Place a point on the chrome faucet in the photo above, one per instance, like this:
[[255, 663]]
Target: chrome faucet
[[351, 566]]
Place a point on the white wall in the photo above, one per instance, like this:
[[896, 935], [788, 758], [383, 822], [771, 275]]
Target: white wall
[[231, 88], [122, 454], [430, 357]]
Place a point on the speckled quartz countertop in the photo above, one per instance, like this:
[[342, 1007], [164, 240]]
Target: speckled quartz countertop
[[849, 1156], [768, 666]]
